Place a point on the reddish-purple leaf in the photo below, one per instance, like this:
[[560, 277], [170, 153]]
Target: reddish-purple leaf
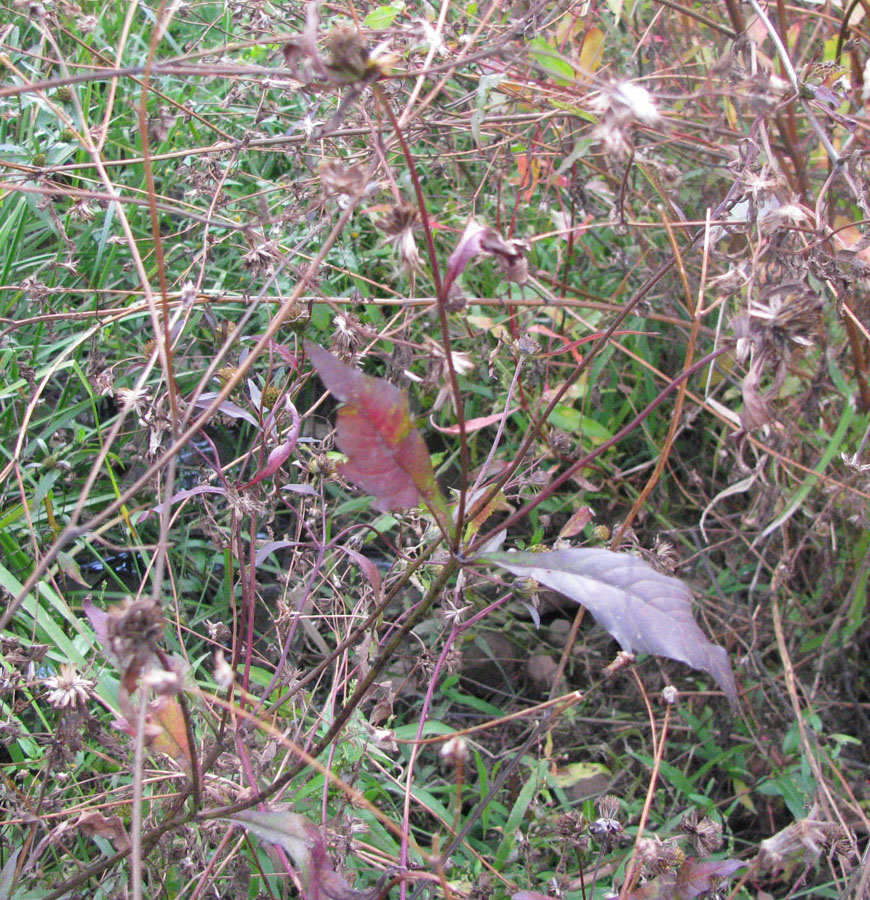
[[689, 881], [472, 425], [303, 840], [642, 609], [386, 455], [368, 567], [266, 550], [282, 452], [476, 239], [531, 895], [181, 495], [227, 407]]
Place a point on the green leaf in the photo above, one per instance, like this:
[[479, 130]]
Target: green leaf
[[550, 60], [383, 16]]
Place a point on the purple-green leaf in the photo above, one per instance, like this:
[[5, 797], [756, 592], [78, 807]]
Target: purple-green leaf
[[689, 881], [642, 609], [304, 841]]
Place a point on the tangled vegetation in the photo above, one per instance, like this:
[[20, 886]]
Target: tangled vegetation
[[352, 354]]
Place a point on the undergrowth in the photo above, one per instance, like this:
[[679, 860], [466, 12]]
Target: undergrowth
[[610, 259]]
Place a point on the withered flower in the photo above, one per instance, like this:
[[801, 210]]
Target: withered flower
[[476, 239], [706, 834], [262, 257], [607, 829], [67, 688], [343, 182], [398, 223], [621, 106], [348, 54]]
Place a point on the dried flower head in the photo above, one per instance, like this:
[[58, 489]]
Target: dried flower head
[[261, 258], [608, 806], [398, 217], [789, 215], [462, 362], [783, 314], [525, 346], [560, 442], [670, 695], [346, 333], [348, 54], [136, 399], [341, 180], [187, 295], [803, 842], [621, 106], [83, 210], [398, 223], [133, 630], [706, 835], [218, 631], [244, 503], [67, 688]]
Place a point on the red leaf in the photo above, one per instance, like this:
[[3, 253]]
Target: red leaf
[[386, 455], [280, 454], [641, 608]]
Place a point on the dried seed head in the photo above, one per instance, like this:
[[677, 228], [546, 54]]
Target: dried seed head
[[223, 673], [225, 373], [398, 218], [408, 252], [67, 689], [320, 465], [218, 631], [298, 319], [345, 337], [572, 824], [63, 94], [270, 396], [608, 806], [526, 587], [262, 257], [349, 54], [244, 503], [706, 835], [561, 443], [648, 851], [525, 346], [670, 857], [601, 533], [338, 179], [455, 751], [133, 630]]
